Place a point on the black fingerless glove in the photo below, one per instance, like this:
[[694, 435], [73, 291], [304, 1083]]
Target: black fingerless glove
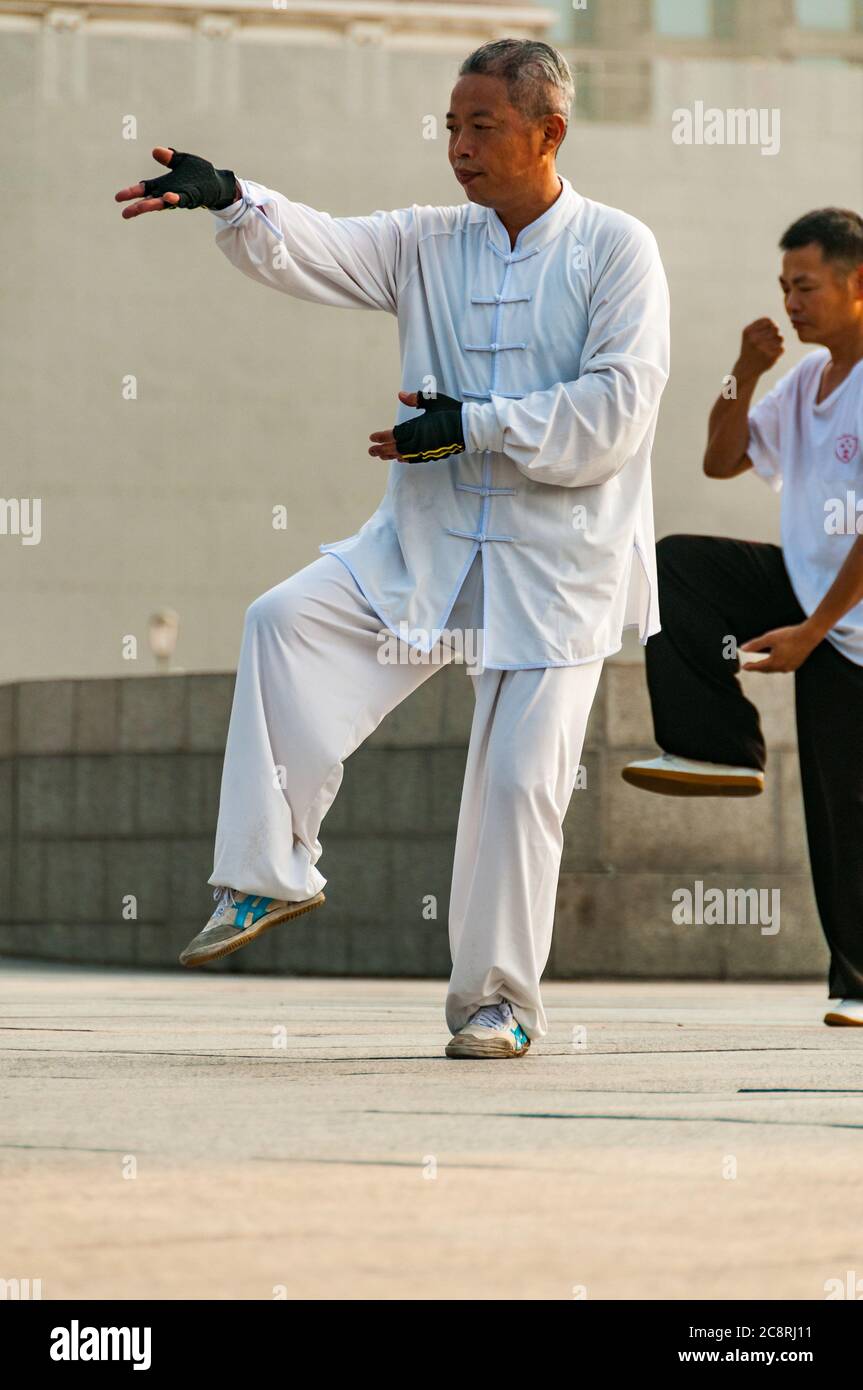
[[197, 182], [433, 435]]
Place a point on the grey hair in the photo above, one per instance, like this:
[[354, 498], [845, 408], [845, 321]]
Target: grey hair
[[538, 77]]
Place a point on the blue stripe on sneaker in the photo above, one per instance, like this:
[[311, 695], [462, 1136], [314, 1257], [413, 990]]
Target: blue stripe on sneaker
[[251, 908]]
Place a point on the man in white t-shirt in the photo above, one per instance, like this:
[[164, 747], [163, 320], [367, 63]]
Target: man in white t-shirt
[[801, 603]]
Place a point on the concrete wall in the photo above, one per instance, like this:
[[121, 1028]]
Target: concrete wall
[[248, 400], [110, 788]]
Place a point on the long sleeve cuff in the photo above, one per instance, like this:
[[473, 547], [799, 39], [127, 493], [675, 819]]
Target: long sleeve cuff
[[480, 428], [235, 212], [254, 194]]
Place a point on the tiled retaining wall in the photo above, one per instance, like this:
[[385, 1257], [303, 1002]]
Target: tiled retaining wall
[[110, 787]]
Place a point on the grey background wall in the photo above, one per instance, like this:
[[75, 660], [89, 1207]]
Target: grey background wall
[[247, 399]]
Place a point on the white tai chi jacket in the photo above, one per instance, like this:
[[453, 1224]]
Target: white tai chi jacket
[[558, 348]]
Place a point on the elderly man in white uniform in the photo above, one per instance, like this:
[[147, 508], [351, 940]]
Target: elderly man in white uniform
[[533, 326]]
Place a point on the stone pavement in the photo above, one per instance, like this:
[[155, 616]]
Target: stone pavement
[[171, 1135]]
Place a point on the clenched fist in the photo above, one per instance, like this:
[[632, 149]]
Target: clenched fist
[[761, 346]]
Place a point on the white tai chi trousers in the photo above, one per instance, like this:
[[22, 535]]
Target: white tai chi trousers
[[311, 687]]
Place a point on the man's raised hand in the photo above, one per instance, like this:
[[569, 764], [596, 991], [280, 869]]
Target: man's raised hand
[[191, 182], [762, 345]]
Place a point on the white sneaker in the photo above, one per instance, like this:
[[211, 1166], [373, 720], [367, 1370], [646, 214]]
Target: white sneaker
[[675, 776], [848, 1013], [239, 919], [491, 1032]]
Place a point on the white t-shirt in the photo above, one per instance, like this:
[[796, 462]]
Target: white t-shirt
[[816, 451]]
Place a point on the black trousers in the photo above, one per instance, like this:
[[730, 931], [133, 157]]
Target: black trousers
[[710, 591]]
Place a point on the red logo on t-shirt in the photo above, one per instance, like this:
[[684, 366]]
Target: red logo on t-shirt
[[846, 447]]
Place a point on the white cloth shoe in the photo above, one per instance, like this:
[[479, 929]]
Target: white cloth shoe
[[491, 1032], [675, 776], [847, 1013], [239, 919]]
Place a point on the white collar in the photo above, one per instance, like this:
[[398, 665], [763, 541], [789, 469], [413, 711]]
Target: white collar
[[536, 234]]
